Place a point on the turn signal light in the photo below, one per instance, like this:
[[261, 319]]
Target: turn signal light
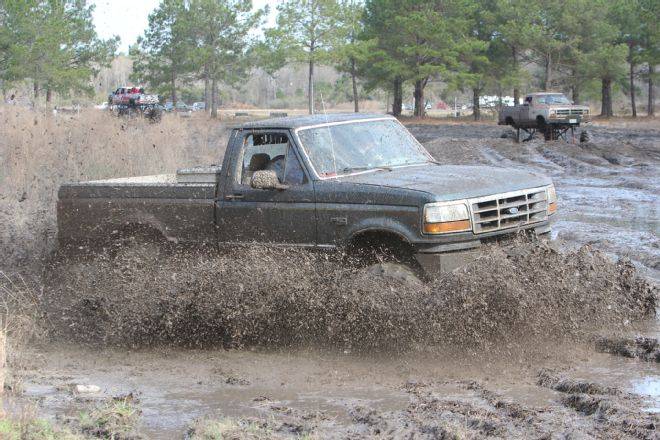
[[445, 227], [552, 207]]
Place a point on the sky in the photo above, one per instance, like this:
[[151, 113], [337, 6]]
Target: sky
[[128, 18]]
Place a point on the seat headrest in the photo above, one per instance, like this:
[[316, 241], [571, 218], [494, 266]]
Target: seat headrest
[[258, 161]]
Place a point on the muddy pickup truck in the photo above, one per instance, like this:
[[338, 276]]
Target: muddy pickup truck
[[552, 114], [357, 182]]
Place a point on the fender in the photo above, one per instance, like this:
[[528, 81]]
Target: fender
[[385, 225]]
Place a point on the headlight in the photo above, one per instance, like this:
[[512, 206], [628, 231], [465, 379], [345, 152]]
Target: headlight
[[446, 217], [552, 199]]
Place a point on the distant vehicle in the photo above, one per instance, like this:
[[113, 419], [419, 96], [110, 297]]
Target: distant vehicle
[[182, 107], [198, 106], [552, 114], [373, 190], [102, 106], [134, 100]]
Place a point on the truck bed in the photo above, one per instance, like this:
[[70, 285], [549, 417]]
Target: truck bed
[[178, 209]]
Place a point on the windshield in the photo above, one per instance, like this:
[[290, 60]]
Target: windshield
[[336, 150], [553, 99]]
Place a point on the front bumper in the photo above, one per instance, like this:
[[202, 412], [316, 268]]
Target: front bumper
[[440, 258], [567, 120]]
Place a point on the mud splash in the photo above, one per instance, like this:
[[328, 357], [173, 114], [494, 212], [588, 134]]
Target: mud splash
[[262, 297]]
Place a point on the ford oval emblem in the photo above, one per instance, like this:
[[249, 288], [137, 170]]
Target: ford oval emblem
[[513, 210]]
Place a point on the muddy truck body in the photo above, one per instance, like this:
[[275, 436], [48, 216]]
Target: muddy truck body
[[552, 114], [325, 182]]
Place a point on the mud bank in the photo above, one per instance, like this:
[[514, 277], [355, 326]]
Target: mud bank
[[265, 297]]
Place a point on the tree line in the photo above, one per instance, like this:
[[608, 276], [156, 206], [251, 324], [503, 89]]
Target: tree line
[[500, 47], [479, 46], [52, 44]]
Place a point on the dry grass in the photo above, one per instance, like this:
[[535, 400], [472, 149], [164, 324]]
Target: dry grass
[[39, 151]]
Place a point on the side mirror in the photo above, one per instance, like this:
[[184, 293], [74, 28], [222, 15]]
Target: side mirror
[[266, 179]]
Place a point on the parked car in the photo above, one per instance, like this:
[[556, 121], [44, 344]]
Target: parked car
[[358, 182], [198, 106]]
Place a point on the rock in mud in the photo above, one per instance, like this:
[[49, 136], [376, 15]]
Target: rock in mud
[[85, 389]]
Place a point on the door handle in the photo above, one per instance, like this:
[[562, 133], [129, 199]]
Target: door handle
[[234, 196]]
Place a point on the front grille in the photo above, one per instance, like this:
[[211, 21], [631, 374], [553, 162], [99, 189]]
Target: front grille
[[509, 210], [571, 112]]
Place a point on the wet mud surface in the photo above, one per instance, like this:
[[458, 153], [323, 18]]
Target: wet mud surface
[[561, 392], [550, 340]]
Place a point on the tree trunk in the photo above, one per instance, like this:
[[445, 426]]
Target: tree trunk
[[476, 110], [606, 108], [397, 104], [419, 98], [310, 91], [49, 95], [207, 90], [214, 98], [36, 90], [355, 88], [173, 86], [516, 90], [575, 93], [548, 73], [651, 107], [631, 61]]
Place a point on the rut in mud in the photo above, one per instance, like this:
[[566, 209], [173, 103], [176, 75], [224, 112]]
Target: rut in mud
[[255, 296]]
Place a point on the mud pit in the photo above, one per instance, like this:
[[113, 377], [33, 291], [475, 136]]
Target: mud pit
[[492, 363]]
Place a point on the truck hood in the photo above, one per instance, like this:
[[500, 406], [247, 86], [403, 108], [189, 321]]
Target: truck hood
[[452, 182]]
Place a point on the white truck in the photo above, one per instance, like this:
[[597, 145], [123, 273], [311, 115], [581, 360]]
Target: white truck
[[552, 114]]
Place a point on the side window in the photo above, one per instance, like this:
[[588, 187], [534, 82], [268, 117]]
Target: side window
[[269, 151], [528, 100]]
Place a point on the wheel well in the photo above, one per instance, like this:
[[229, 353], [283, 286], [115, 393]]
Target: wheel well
[[509, 120], [380, 243], [540, 119]]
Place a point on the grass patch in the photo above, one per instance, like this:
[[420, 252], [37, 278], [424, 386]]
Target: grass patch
[[117, 420], [34, 429]]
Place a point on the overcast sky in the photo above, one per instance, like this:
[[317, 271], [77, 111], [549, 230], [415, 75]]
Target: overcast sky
[[128, 18]]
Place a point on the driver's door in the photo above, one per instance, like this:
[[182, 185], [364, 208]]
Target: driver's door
[[246, 214]]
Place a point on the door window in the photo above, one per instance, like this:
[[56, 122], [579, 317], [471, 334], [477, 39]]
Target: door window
[[270, 151]]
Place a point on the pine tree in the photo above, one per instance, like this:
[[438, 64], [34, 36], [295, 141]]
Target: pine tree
[[306, 32]]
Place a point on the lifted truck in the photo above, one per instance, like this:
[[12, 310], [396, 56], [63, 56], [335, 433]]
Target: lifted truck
[[551, 114], [361, 182], [128, 101]]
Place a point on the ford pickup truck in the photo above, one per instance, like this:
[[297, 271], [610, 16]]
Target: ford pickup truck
[[337, 181], [549, 113]]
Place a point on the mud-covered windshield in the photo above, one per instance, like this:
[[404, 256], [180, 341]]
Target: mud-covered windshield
[[553, 99], [336, 150]]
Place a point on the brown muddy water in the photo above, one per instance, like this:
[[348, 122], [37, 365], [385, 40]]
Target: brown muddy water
[[508, 348]]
